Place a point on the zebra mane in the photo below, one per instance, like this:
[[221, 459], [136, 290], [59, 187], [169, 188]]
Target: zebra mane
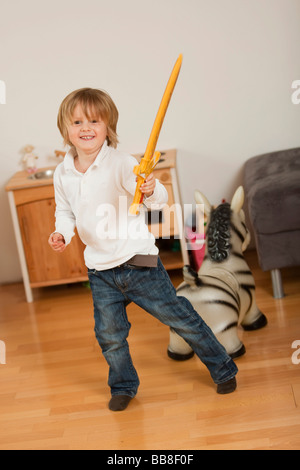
[[218, 233]]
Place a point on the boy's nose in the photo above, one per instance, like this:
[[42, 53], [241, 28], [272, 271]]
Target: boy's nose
[[85, 125]]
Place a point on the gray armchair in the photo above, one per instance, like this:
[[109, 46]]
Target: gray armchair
[[272, 189]]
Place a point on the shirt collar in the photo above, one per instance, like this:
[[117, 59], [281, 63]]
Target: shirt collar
[[69, 157]]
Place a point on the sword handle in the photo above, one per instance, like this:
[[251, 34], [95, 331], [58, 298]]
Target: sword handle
[[142, 171]]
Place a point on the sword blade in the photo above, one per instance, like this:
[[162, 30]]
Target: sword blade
[[162, 109]]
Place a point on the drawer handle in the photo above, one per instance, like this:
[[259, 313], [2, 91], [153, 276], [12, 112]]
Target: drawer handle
[[164, 176]]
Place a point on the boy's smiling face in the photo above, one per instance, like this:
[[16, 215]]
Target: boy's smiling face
[[87, 134]]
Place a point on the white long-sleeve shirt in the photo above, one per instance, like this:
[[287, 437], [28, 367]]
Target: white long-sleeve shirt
[[97, 202]]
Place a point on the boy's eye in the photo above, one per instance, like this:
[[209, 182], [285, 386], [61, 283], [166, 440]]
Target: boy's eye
[[78, 122]]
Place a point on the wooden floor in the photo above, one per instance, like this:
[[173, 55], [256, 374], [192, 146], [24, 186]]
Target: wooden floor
[[53, 392]]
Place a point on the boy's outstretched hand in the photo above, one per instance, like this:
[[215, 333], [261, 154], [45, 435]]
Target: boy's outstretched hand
[[57, 242], [148, 186]]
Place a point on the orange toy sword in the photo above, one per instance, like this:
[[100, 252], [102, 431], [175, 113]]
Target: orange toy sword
[[151, 158]]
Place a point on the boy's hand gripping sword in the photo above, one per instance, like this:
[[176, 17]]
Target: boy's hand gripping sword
[[151, 158]]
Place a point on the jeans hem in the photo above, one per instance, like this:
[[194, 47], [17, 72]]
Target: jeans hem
[[227, 379], [128, 394], [231, 373]]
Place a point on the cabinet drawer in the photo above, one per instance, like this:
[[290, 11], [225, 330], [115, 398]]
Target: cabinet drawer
[[24, 196]]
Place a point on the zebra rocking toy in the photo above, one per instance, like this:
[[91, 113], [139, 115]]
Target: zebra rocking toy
[[223, 290]]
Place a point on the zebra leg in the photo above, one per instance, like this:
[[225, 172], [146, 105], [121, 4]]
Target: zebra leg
[[260, 322], [178, 349], [231, 342], [254, 318]]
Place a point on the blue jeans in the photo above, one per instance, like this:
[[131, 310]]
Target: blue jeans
[[151, 289]]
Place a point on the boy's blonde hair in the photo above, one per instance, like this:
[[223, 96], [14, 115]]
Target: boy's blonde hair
[[94, 103]]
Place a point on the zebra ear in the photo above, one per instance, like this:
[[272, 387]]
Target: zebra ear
[[238, 200], [201, 199]]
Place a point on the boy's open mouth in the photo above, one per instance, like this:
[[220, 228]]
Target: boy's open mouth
[[87, 137]]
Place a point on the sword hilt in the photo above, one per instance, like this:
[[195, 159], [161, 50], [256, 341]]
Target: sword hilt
[[142, 171]]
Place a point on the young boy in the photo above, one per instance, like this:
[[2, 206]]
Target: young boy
[[94, 188]]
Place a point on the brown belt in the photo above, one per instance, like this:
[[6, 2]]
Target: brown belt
[[146, 261]]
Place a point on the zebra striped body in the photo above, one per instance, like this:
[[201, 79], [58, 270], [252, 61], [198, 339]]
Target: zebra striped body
[[223, 290]]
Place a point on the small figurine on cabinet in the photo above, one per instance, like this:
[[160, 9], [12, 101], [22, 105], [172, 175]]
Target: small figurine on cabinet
[[30, 159], [60, 154]]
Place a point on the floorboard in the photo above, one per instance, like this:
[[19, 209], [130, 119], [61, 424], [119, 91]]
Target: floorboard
[[53, 392]]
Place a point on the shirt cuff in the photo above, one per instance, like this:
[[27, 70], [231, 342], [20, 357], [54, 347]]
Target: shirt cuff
[[67, 236], [159, 196]]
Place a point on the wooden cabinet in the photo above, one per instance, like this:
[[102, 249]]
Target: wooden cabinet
[[32, 211], [32, 207]]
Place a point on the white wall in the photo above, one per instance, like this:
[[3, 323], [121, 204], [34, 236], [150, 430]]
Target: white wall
[[232, 100]]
